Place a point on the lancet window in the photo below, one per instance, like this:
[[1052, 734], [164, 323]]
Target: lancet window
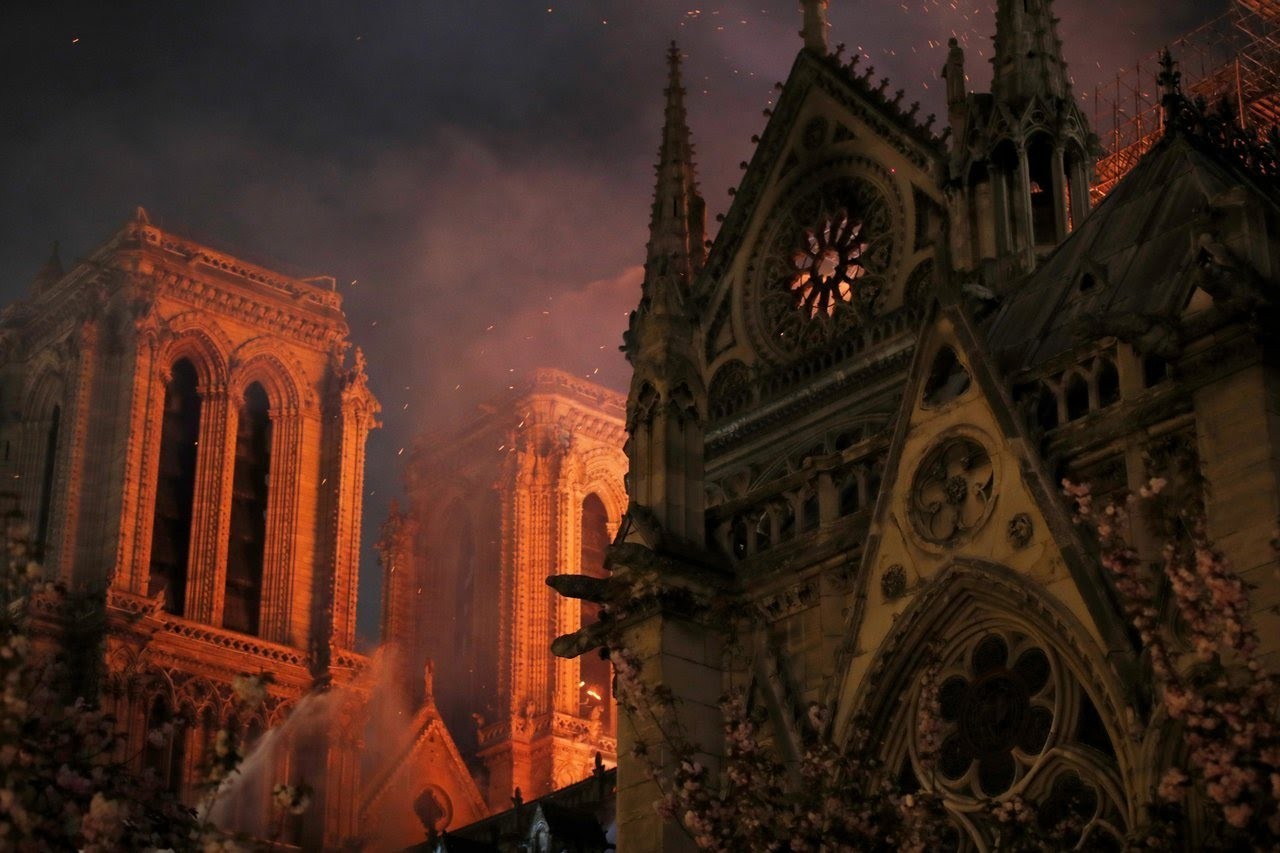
[[175, 488], [596, 676], [248, 534]]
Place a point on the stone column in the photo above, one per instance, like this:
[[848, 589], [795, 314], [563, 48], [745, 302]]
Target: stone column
[[1025, 239], [1080, 199], [68, 478], [1061, 219], [211, 506], [137, 504], [686, 656], [278, 567]]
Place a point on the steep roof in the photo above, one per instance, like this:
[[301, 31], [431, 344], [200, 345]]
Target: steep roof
[[1134, 255]]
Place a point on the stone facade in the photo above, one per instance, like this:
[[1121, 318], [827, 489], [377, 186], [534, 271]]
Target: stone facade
[[185, 432], [850, 418], [532, 487]]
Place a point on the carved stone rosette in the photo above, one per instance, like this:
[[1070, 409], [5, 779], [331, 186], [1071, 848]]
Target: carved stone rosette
[[953, 491]]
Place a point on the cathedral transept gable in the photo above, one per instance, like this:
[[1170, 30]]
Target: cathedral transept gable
[[963, 488]]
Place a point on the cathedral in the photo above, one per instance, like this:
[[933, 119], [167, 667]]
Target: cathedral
[[851, 414], [850, 418]]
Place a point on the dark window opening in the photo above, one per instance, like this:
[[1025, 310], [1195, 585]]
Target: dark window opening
[[1046, 410], [175, 488], [1077, 397], [1154, 370], [738, 538], [850, 496], [46, 480], [947, 378], [764, 533], [1108, 383], [247, 549], [595, 672], [809, 512], [786, 521], [873, 483], [165, 753], [1004, 171], [1043, 204]]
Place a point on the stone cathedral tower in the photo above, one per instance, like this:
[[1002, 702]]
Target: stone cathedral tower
[[532, 487], [187, 439]]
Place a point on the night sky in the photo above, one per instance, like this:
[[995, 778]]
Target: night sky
[[476, 174]]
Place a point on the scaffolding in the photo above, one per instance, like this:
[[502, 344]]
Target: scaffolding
[[1234, 56]]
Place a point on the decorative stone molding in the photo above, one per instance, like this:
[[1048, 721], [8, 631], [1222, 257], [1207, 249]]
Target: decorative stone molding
[[1020, 530], [952, 492]]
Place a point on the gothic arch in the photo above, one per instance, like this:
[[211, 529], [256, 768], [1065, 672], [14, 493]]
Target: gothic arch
[[254, 362], [201, 343], [959, 606], [46, 389], [602, 471]]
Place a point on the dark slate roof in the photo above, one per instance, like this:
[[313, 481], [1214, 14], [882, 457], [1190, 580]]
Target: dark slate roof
[[453, 844], [1139, 244], [578, 828]]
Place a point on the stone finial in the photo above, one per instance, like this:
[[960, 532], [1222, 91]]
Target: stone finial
[[815, 25], [52, 271], [1170, 82]]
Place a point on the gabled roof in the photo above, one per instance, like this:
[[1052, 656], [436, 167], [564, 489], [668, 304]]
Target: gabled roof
[[982, 413], [575, 827], [1138, 248], [885, 114]]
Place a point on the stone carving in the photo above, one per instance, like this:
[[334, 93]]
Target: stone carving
[[893, 583], [953, 491], [1020, 530], [1000, 707], [815, 133]]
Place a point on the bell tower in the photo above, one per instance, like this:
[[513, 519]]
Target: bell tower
[[531, 487], [1022, 156], [186, 434]]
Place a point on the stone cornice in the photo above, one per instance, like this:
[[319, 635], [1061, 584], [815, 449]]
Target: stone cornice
[[178, 642], [147, 263], [550, 398]]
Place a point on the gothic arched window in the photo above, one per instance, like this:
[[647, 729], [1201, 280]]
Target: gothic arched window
[[595, 673], [175, 488], [1013, 719], [165, 749], [246, 551]]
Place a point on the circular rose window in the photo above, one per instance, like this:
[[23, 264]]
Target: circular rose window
[[822, 265]]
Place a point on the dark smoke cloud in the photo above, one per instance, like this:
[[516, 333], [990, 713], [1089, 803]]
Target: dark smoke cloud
[[476, 175]]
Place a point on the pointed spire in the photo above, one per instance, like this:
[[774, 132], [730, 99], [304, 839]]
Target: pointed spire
[[1170, 82], [1028, 53], [957, 89], [815, 25], [140, 216], [52, 270], [677, 227]]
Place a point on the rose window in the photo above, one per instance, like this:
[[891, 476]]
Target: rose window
[[822, 265], [996, 715], [952, 494], [828, 266]]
